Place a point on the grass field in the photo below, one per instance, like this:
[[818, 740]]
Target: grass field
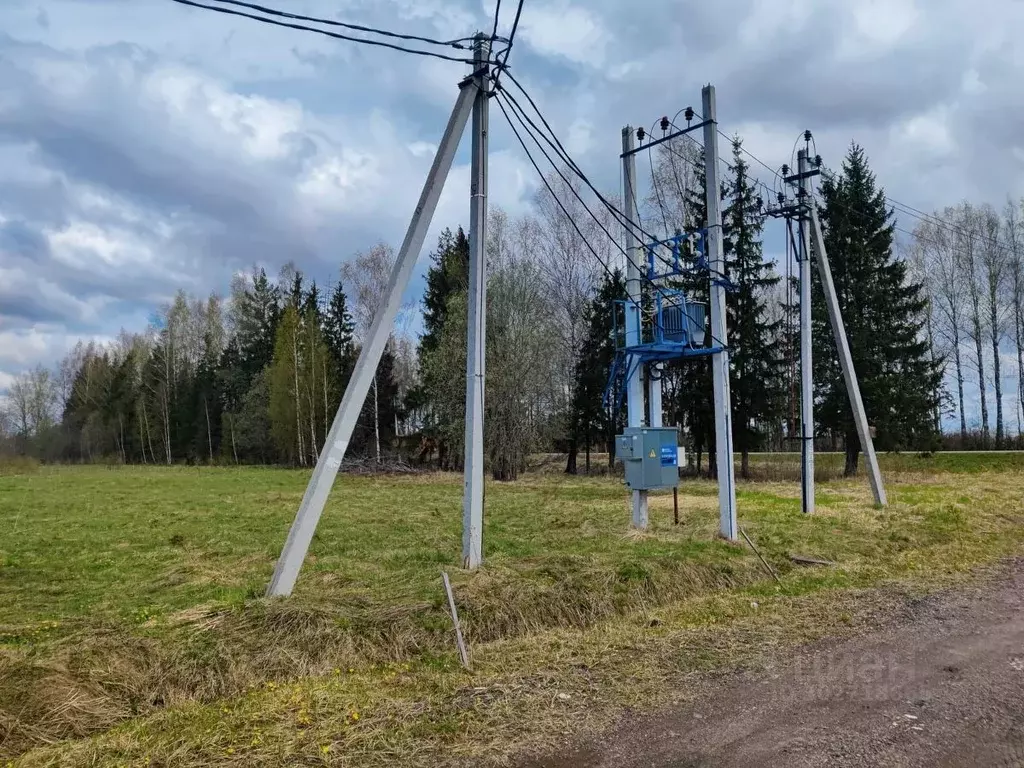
[[133, 632]]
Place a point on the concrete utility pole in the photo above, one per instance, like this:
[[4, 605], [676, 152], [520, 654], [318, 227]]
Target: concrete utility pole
[[634, 386], [845, 358], [303, 527], [719, 330], [806, 374], [476, 353]]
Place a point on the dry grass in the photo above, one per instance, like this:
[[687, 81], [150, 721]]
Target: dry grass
[[573, 618]]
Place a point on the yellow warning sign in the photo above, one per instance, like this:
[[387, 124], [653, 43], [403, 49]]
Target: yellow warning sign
[[653, 454]]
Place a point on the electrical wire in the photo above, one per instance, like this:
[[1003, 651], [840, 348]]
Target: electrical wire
[[503, 95], [551, 191], [680, 187], [501, 60], [790, 329], [515, 27], [497, 14], [754, 179], [522, 119], [925, 218], [900, 206], [456, 43], [335, 35], [551, 139], [657, 191]]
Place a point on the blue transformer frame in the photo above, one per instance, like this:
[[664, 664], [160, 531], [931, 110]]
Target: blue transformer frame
[[678, 326]]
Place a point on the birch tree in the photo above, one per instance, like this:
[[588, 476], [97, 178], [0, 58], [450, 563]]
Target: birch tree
[[1013, 228], [568, 274], [995, 270], [968, 239], [367, 276]]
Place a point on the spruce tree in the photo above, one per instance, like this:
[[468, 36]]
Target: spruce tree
[[311, 302], [594, 367], [884, 315], [756, 364], [257, 312], [449, 274], [447, 280], [338, 333]]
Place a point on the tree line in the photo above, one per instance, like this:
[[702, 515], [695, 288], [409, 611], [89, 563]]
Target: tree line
[[970, 258], [257, 377]]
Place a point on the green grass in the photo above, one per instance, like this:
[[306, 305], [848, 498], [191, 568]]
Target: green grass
[[132, 625], [947, 462]]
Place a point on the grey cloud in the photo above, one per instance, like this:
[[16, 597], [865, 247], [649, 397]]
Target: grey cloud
[[95, 139], [224, 210]]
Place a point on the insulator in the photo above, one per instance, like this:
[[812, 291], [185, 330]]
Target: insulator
[[785, 170], [688, 114], [807, 135], [760, 202], [817, 161], [782, 198], [665, 123], [640, 133]]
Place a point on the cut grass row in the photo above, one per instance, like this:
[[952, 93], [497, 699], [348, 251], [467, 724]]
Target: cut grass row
[[131, 597]]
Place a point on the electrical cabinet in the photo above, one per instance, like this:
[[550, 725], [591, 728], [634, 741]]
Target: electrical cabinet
[[650, 456]]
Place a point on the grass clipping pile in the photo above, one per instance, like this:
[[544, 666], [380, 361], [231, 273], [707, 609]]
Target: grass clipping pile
[[561, 642]]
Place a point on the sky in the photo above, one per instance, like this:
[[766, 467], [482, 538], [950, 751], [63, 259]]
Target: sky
[[146, 146]]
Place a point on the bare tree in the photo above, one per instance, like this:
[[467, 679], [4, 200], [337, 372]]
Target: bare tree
[[19, 394], [569, 274], [944, 278], [521, 344], [1013, 229], [994, 260], [367, 276], [68, 370], [919, 264], [674, 183], [33, 398], [968, 238]]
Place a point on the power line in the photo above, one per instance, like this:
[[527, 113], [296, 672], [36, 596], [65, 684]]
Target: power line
[[457, 43], [731, 139], [547, 184], [901, 207], [335, 35], [847, 206], [552, 140], [512, 34], [932, 219], [504, 95], [565, 212], [501, 59], [657, 191], [497, 14]]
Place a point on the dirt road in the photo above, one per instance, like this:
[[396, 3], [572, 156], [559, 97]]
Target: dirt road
[[945, 687]]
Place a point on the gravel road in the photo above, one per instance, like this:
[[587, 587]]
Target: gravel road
[[943, 686]]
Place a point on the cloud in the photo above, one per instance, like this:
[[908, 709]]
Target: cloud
[[132, 177], [566, 30], [148, 147]]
